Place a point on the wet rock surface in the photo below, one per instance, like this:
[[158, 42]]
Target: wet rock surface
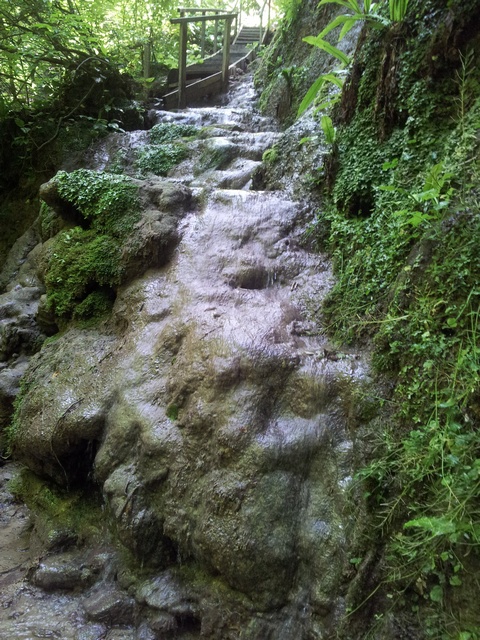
[[41, 596], [20, 334], [209, 414]]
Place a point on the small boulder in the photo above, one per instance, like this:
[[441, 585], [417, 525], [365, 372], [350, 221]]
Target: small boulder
[[107, 603]]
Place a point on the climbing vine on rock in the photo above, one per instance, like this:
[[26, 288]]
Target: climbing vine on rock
[[401, 220]]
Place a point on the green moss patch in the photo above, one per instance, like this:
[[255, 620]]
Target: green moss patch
[[159, 158], [107, 201], [80, 261], [167, 148], [62, 516], [84, 264], [166, 132]]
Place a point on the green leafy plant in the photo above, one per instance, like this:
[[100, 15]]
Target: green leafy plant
[[166, 132], [319, 42], [400, 221], [270, 156], [398, 9], [328, 129], [428, 203], [159, 158], [333, 78], [368, 14]]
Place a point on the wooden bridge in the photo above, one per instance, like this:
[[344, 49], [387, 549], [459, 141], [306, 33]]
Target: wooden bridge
[[190, 83]]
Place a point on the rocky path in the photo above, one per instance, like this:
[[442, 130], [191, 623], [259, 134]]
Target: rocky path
[[218, 419]]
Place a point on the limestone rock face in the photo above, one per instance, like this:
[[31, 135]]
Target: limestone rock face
[[65, 407], [207, 411]]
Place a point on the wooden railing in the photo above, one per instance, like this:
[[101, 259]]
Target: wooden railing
[[264, 27], [214, 15], [204, 16], [264, 24]]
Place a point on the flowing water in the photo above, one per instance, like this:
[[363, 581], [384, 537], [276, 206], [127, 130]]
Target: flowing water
[[244, 401]]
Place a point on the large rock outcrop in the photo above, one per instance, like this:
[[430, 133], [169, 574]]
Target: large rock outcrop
[[212, 415]]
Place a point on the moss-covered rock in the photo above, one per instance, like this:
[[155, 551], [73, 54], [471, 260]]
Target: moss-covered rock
[[61, 518], [112, 240]]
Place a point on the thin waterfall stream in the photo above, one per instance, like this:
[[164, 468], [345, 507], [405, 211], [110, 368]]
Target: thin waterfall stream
[[212, 415]]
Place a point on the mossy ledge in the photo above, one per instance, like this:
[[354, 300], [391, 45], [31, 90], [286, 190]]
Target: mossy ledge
[[107, 229], [84, 264], [62, 517]]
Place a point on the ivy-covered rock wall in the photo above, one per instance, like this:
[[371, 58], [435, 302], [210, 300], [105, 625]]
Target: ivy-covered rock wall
[[398, 208]]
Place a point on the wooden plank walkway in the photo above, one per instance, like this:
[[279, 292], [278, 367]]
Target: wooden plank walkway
[[211, 76]]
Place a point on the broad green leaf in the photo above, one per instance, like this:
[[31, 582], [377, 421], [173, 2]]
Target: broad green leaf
[[349, 4], [436, 526], [333, 25], [348, 26], [315, 90], [390, 165], [334, 79], [42, 25], [310, 95], [436, 594], [328, 129], [348, 21], [417, 218], [328, 48], [398, 9]]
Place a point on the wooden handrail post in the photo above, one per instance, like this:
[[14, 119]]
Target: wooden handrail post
[[215, 36], [202, 37], [226, 52], [183, 21], [182, 66], [147, 56]]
